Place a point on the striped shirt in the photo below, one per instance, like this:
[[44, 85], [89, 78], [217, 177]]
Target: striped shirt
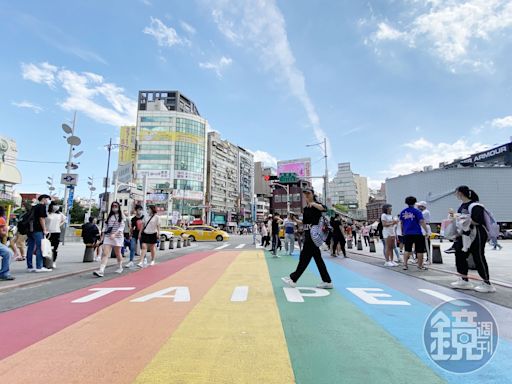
[[114, 223]]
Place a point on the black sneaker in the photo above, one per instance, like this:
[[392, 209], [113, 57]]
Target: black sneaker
[[450, 250], [7, 278]]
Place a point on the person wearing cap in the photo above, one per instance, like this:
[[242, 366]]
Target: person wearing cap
[[312, 214], [37, 235], [422, 206], [5, 253]]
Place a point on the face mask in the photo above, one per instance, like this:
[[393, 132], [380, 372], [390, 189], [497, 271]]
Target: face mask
[[115, 210], [56, 208], [47, 202]]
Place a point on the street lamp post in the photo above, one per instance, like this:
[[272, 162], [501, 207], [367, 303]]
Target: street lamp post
[[90, 182], [326, 175], [104, 207]]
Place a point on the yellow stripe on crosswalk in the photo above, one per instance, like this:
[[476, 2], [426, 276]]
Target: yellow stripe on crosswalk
[[225, 341]]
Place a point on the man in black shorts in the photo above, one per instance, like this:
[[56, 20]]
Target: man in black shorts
[[411, 220]]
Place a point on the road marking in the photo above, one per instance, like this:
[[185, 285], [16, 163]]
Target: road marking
[[240, 293], [370, 296], [240, 246], [443, 297], [220, 342], [100, 292], [222, 247]]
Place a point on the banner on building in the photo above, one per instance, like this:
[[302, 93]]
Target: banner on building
[[301, 167], [127, 145]]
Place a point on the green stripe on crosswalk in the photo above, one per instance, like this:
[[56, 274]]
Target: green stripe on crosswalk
[[330, 340]]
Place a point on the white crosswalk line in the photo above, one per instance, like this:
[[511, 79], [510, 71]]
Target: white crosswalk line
[[240, 246], [442, 296], [222, 247]]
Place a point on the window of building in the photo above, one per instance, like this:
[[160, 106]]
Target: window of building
[[156, 119]]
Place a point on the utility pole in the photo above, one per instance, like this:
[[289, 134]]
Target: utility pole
[[326, 180]]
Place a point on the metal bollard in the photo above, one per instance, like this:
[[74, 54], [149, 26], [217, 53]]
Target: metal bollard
[[359, 245], [88, 253], [178, 243], [437, 257], [171, 244], [162, 245], [350, 244], [372, 246], [188, 242]]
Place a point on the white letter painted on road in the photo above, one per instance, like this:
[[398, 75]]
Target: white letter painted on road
[[369, 295], [100, 292], [240, 293], [295, 295], [182, 295]]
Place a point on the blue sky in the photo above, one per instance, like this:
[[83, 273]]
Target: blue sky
[[393, 84]]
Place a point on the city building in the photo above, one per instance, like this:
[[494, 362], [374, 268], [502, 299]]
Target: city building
[[297, 200], [490, 175], [9, 173], [374, 206], [171, 148], [349, 189], [262, 190], [230, 182]]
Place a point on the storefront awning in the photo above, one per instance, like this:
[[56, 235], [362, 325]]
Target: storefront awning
[[9, 174]]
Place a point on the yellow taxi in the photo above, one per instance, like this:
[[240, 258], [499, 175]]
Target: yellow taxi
[[176, 230], [206, 233]]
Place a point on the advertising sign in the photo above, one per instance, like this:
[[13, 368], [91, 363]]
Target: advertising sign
[[186, 175], [301, 167], [154, 174], [127, 145]]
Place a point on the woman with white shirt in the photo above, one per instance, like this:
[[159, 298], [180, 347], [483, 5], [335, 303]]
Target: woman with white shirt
[[388, 233], [112, 237], [149, 236], [54, 221]]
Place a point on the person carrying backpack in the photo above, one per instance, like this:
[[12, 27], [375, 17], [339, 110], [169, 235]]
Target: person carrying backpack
[[478, 214]]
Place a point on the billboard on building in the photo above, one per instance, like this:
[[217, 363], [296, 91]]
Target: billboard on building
[[302, 167], [127, 145]]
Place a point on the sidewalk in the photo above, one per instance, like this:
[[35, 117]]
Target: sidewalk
[[499, 262], [69, 263]]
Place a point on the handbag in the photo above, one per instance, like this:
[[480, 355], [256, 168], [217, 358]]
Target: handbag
[[46, 248], [320, 231]]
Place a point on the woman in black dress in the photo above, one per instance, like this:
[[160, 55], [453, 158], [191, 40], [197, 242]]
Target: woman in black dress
[[312, 213]]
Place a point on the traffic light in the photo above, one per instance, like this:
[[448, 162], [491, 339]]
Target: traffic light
[[269, 178]]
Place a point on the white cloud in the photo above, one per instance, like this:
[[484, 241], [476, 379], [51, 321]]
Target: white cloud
[[503, 122], [164, 35], [453, 30], [27, 104], [146, 2], [259, 25], [89, 93], [266, 158], [374, 183], [426, 153], [387, 32], [188, 28], [217, 67], [42, 73]]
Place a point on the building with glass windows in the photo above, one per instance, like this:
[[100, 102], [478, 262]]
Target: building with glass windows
[[171, 150]]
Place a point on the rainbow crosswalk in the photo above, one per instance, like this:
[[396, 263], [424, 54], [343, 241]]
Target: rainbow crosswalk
[[222, 317]]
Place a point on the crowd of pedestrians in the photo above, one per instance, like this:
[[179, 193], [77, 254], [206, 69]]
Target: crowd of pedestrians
[[406, 234]]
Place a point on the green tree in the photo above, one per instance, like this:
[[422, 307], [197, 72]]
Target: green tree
[[342, 208], [77, 213]]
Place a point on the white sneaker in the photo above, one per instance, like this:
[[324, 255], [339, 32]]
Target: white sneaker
[[31, 270], [485, 288], [413, 261], [152, 263], [96, 258], [130, 264], [325, 285], [389, 264], [119, 270], [393, 264], [98, 273], [54, 265], [140, 265], [289, 282], [462, 284], [43, 270]]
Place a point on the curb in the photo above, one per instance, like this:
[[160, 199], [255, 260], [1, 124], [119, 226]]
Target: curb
[[51, 277], [433, 268]]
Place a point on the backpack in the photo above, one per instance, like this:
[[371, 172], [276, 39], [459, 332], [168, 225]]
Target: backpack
[[26, 223], [321, 231], [490, 224]]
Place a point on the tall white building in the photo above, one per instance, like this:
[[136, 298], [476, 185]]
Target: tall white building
[[171, 150], [230, 181], [350, 189]]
